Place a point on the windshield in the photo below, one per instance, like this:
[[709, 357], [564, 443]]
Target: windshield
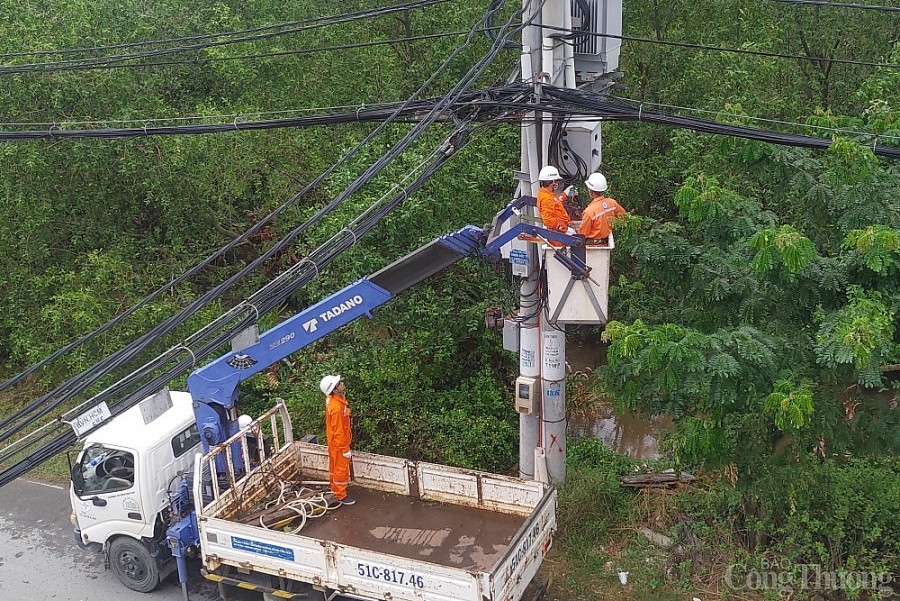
[[102, 470]]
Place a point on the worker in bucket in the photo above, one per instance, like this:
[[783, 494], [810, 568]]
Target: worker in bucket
[[595, 221], [551, 204], [337, 430]]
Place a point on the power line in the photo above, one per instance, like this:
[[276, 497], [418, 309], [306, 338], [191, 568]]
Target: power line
[[62, 64], [411, 110], [214, 59], [506, 98], [147, 120], [587, 103], [31, 457], [272, 294], [205, 36], [836, 130], [819, 59], [839, 5]]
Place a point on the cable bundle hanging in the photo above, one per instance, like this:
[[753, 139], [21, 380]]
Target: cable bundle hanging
[[220, 290], [30, 457], [586, 103], [267, 33]]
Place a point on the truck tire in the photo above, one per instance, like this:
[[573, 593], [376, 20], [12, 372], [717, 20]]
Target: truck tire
[[133, 565]]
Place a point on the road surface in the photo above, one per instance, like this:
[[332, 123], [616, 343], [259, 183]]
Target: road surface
[[39, 560]]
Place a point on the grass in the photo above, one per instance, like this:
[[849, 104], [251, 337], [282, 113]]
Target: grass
[[599, 537]]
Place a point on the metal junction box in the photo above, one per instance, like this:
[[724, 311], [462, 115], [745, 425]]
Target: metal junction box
[[583, 138], [527, 392], [511, 335]]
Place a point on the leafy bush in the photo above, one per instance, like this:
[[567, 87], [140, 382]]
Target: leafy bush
[[839, 515]]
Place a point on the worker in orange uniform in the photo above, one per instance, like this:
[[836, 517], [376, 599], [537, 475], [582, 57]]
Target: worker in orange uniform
[[595, 225], [552, 206], [337, 430]]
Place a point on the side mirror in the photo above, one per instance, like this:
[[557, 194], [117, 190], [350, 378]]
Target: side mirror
[[77, 479]]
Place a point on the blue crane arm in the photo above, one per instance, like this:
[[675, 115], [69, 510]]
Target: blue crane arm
[[214, 386], [216, 382]]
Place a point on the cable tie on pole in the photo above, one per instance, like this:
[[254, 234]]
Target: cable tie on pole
[[640, 111], [875, 143], [145, 128], [235, 123], [52, 127], [352, 233], [358, 109]]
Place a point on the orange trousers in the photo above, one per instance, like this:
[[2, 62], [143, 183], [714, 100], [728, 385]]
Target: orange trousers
[[339, 472]]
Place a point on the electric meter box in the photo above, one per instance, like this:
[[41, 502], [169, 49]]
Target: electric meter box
[[579, 301], [583, 138], [511, 335], [527, 391]]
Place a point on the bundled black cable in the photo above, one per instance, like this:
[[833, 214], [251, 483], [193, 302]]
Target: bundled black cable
[[220, 290], [267, 299], [586, 103], [368, 13], [571, 166], [286, 28], [31, 457]]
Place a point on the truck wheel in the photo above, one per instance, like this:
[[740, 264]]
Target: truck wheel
[[133, 566]]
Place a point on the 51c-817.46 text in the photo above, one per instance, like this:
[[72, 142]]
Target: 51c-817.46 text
[[390, 575]]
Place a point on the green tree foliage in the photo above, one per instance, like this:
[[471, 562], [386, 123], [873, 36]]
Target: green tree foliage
[[89, 227], [859, 334], [756, 286], [790, 406]]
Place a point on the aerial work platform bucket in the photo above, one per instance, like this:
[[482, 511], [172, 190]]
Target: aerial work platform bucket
[[584, 301]]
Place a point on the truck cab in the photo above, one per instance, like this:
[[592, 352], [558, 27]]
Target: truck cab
[[121, 479]]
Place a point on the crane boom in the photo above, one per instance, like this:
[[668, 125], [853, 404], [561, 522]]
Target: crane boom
[[213, 387]]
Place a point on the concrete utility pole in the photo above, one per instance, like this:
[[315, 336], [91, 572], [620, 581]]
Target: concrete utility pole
[[529, 265], [547, 60], [542, 351]]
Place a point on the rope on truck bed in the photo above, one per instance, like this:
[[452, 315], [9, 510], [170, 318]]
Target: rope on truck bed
[[294, 502]]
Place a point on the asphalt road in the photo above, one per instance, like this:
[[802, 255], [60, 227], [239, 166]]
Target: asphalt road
[[39, 560]]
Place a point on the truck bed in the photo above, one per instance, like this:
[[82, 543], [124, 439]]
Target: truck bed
[[450, 535], [418, 531]]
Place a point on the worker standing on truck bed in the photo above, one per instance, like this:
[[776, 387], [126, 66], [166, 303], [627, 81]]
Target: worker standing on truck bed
[[337, 430]]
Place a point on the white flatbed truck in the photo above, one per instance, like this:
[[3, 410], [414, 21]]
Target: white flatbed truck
[[420, 531]]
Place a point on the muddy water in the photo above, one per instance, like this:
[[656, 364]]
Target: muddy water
[[633, 435]]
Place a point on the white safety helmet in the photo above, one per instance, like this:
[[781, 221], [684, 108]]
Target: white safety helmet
[[244, 420], [328, 383], [548, 174], [596, 182]]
